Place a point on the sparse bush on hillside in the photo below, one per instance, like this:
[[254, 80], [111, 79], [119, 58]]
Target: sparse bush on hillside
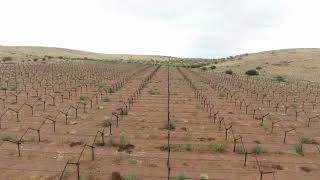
[[213, 67], [252, 72], [105, 123], [242, 150], [258, 68], [307, 140], [258, 149], [204, 177], [170, 125], [218, 147], [230, 72], [280, 78], [198, 65], [181, 176], [204, 68], [7, 58], [298, 147]]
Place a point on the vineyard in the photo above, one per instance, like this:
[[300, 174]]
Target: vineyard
[[108, 120]]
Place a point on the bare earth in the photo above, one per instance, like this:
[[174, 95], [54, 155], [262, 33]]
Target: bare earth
[[270, 119]]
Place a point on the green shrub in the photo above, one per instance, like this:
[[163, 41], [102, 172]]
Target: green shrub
[[197, 65], [7, 58], [204, 177], [173, 147], [230, 72], [83, 98], [111, 141], [123, 111], [98, 142], [213, 67], [133, 161], [170, 125], [252, 72], [6, 137], [181, 176], [280, 79], [105, 123], [204, 68], [123, 141], [221, 94], [242, 150], [188, 147], [218, 147], [298, 147], [129, 177], [258, 149], [307, 140], [258, 68]]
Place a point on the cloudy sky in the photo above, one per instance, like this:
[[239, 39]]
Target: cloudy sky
[[184, 28]]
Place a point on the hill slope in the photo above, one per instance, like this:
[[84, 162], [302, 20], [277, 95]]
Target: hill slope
[[29, 52], [300, 64]]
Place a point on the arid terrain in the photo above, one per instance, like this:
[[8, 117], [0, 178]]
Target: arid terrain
[[80, 115]]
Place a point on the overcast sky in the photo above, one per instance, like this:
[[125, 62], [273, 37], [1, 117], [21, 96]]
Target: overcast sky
[[184, 28]]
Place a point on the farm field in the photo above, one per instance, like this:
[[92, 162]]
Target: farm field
[[108, 120]]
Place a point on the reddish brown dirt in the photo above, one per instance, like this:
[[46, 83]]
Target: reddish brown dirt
[[143, 128]]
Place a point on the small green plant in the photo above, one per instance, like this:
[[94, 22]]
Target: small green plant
[[265, 127], [7, 58], [99, 142], [204, 68], [133, 161], [230, 72], [298, 147], [105, 123], [204, 177], [242, 150], [154, 92], [129, 177], [6, 137], [258, 149], [181, 176], [170, 125], [213, 67], [111, 141], [173, 147], [187, 147], [307, 140], [123, 111], [83, 98], [280, 79], [258, 68], [123, 141], [218, 147], [252, 72], [221, 94]]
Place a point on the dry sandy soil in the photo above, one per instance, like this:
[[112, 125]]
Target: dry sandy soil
[[29, 52], [301, 64]]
